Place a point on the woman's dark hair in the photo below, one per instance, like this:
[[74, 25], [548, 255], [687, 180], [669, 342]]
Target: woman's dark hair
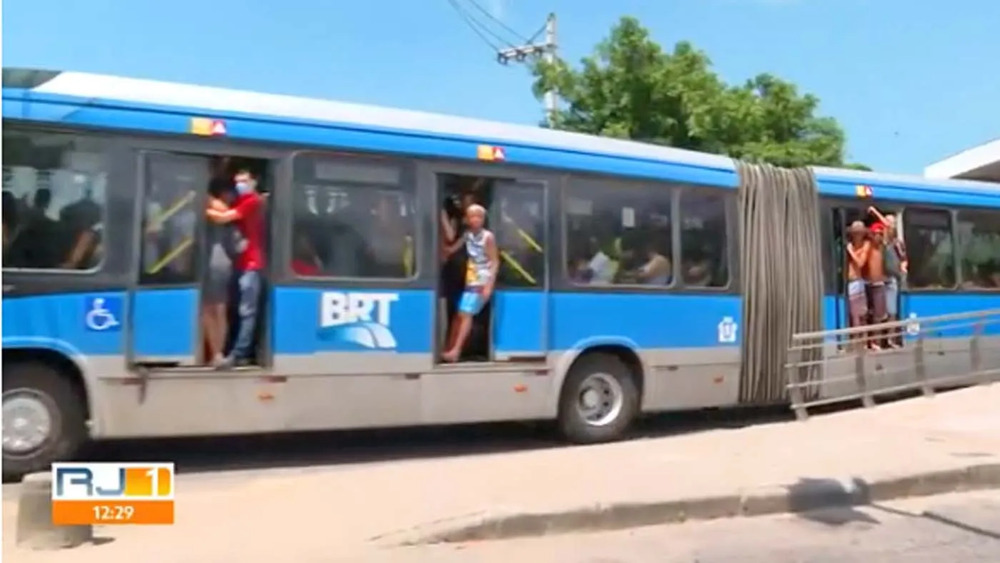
[[220, 188]]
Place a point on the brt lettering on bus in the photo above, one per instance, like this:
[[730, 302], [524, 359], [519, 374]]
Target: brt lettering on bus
[[361, 319]]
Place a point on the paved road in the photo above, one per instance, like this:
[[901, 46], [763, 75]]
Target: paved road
[[322, 451], [960, 527]]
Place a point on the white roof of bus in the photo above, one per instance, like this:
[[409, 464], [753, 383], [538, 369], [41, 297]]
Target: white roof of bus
[[208, 99], [864, 177], [221, 99]]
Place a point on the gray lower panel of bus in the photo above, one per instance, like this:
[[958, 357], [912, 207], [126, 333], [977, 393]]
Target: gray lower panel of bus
[[209, 403]]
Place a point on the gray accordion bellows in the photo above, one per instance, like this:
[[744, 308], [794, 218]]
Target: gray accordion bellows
[[781, 271]]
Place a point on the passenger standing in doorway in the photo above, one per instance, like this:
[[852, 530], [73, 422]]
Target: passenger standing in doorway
[[247, 215], [452, 233], [875, 274], [896, 265], [857, 258], [221, 257], [480, 275]]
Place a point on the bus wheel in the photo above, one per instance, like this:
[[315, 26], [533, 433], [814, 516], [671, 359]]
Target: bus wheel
[[599, 400], [44, 419]]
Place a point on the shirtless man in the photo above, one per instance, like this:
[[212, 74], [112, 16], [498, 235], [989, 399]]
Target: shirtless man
[[875, 275], [858, 247]]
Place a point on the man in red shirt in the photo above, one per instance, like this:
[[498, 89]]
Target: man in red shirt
[[248, 217]]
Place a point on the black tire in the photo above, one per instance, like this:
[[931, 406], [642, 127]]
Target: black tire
[[67, 413], [573, 426]]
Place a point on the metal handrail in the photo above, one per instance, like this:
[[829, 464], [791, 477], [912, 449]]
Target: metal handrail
[[812, 372], [894, 324]]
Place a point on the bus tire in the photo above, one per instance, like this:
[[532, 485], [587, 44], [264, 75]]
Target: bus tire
[[599, 400], [53, 410]]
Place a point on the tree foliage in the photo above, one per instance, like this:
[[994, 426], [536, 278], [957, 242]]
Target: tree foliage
[[631, 88]]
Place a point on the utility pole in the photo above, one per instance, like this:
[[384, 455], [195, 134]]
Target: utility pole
[[547, 50]]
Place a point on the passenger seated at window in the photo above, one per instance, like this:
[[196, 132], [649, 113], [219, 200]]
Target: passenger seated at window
[[38, 245], [81, 222], [387, 243], [601, 267], [698, 272], [305, 262], [654, 268]]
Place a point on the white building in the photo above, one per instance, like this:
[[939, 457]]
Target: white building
[[977, 163]]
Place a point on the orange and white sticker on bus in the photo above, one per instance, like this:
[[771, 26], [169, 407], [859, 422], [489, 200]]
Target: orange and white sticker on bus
[[207, 127], [490, 153]]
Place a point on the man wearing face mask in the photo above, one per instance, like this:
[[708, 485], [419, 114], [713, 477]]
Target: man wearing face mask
[[246, 214]]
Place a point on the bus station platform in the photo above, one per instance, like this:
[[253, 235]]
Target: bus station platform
[[366, 511]]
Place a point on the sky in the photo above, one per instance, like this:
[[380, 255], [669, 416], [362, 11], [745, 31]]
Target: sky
[[909, 80]]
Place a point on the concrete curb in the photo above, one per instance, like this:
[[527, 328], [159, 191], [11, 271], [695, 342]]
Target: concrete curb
[[805, 495]]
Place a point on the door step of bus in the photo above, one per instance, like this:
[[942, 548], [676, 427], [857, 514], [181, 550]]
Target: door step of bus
[[537, 368], [202, 370]]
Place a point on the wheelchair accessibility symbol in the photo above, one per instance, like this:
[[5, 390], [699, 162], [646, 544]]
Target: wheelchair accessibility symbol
[[103, 314]]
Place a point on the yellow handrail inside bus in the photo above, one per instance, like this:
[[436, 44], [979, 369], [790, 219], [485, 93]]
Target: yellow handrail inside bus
[[521, 233], [517, 267], [170, 211], [170, 256]]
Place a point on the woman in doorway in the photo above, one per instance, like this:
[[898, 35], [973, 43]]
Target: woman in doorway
[[221, 252]]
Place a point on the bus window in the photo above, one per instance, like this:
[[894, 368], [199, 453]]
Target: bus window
[[618, 234], [979, 244], [353, 218], [53, 200], [930, 249], [170, 219], [704, 248]]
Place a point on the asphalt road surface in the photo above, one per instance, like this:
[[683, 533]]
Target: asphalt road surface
[[326, 450], [955, 528]]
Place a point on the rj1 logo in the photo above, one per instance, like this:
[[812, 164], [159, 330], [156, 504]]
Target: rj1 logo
[[90, 481]]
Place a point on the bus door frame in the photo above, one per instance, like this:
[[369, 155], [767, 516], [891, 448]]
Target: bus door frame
[[277, 237], [502, 175]]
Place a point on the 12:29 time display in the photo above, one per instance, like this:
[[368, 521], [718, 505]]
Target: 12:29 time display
[[113, 513]]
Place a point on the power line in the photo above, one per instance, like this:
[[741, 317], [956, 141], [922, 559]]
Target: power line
[[490, 15], [517, 53], [477, 27]]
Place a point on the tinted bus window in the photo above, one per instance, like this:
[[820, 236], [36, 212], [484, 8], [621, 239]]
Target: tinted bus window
[[979, 247], [617, 234], [353, 218], [54, 197], [930, 248], [704, 244]]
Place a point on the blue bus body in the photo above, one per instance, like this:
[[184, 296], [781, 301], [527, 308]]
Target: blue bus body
[[380, 370]]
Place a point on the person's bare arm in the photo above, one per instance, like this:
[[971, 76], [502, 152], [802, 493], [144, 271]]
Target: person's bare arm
[[85, 241], [860, 256], [447, 229], [222, 217], [451, 248], [877, 215]]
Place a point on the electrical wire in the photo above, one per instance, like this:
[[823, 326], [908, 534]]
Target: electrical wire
[[478, 28], [490, 15]]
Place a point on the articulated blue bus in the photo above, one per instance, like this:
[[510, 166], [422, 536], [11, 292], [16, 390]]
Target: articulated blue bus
[[105, 267]]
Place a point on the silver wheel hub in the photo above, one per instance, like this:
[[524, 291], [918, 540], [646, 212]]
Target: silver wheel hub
[[600, 400], [27, 422]]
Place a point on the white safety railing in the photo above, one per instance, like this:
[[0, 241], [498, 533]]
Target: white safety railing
[[863, 363]]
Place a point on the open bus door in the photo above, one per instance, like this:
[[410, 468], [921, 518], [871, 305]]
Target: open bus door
[[520, 305], [163, 311]]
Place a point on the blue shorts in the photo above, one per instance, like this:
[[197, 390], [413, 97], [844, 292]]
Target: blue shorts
[[472, 303]]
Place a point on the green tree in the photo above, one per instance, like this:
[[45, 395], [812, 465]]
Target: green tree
[[631, 88]]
